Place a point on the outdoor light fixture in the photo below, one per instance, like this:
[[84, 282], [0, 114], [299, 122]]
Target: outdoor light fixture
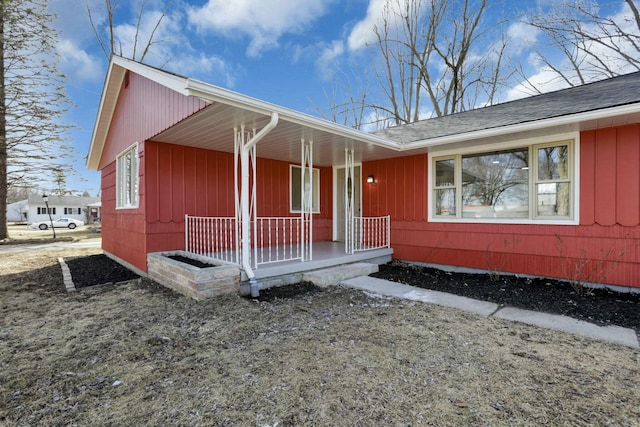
[[46, 203], [370, 179]]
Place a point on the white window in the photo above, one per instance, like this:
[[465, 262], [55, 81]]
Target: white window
[[127, 178], [522, 184], [43, 211], [72, 211], [295, 192]]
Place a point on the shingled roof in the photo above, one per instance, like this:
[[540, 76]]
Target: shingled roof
[[613, 92]]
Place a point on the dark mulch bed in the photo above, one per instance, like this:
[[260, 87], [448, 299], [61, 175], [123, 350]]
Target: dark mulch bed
[[97, 270], [288, 292], [600, 306]]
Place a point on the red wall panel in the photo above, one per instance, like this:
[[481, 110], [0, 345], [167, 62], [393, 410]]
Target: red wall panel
[[400, 189], [186, 180], [122, 230], [587, 177], [189, 181], [144, 108], [628, 176], [609, 217], [605, 177]]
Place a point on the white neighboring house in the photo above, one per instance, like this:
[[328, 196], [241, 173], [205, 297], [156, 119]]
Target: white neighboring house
[[75, 207], [17, 211]]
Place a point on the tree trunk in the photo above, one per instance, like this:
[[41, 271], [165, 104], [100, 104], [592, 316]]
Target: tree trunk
[[3, 135]]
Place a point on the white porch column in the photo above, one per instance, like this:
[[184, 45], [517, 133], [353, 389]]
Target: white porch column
[[348, 200], [306, 198], [245, 192]]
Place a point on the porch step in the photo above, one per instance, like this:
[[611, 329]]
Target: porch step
[[335, 275]]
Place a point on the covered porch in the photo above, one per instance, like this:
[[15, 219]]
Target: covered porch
[[267, 239], [280, 248]]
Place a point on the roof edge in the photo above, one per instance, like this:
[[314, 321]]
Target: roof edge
[[523, 127]]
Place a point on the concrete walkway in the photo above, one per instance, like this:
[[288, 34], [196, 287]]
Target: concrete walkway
[[613, 334]]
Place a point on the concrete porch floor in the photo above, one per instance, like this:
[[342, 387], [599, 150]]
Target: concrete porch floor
[[325, 254]]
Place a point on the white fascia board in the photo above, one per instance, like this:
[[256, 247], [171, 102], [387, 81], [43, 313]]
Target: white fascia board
[[524, 127], [103, 117], [164, 78], [212, 93]]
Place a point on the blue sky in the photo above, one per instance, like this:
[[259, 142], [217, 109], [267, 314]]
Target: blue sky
[[282, 51]]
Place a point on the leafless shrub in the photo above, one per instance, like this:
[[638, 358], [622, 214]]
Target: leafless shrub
[[496, 260], [584, 269]]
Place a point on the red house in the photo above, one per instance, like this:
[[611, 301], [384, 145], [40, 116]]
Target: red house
[[543, 186]]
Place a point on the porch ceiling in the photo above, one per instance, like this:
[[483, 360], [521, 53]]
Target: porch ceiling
[[213, 128]]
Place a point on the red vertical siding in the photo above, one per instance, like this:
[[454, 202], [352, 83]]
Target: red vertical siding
[[609, 212], [587, 177], [400, 189], [186, 180], [605, 178], [628, 176], [123, 230], [144, 108]]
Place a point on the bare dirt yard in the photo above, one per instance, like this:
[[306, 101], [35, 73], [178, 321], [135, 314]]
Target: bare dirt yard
[[139, 354]]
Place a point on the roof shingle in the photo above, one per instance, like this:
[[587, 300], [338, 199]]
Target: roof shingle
[[613, 92]]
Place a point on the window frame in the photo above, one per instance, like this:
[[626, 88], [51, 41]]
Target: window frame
[[43, 210], [316, 190], [572, 140], [133, 181]]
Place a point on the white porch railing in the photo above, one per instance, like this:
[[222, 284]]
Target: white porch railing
[[213, 237], [371, 232], [274, 239], [277, 239]]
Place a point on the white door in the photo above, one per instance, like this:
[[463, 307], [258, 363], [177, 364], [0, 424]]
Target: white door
[[340, 187]]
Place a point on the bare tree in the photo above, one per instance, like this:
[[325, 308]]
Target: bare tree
[[33, 136], [434, 58], [593, 46], [404, 40], [346, 98], [15, 194], [107, 37]]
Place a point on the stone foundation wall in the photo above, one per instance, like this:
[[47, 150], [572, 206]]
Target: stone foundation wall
[[197, 283]]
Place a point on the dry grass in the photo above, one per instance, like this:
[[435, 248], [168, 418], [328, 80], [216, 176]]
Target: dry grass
[[138, 354]]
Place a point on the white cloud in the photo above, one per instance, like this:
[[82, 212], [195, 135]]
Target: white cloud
[[544, 79], [521, 36], [264, 22], [204, 67], [362, 33], [167, 37], [77, 63], [326, 62]]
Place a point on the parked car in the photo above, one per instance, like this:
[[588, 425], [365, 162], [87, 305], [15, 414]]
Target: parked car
[[69, 223]]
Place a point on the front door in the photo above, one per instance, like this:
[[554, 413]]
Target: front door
[[340, 188]]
